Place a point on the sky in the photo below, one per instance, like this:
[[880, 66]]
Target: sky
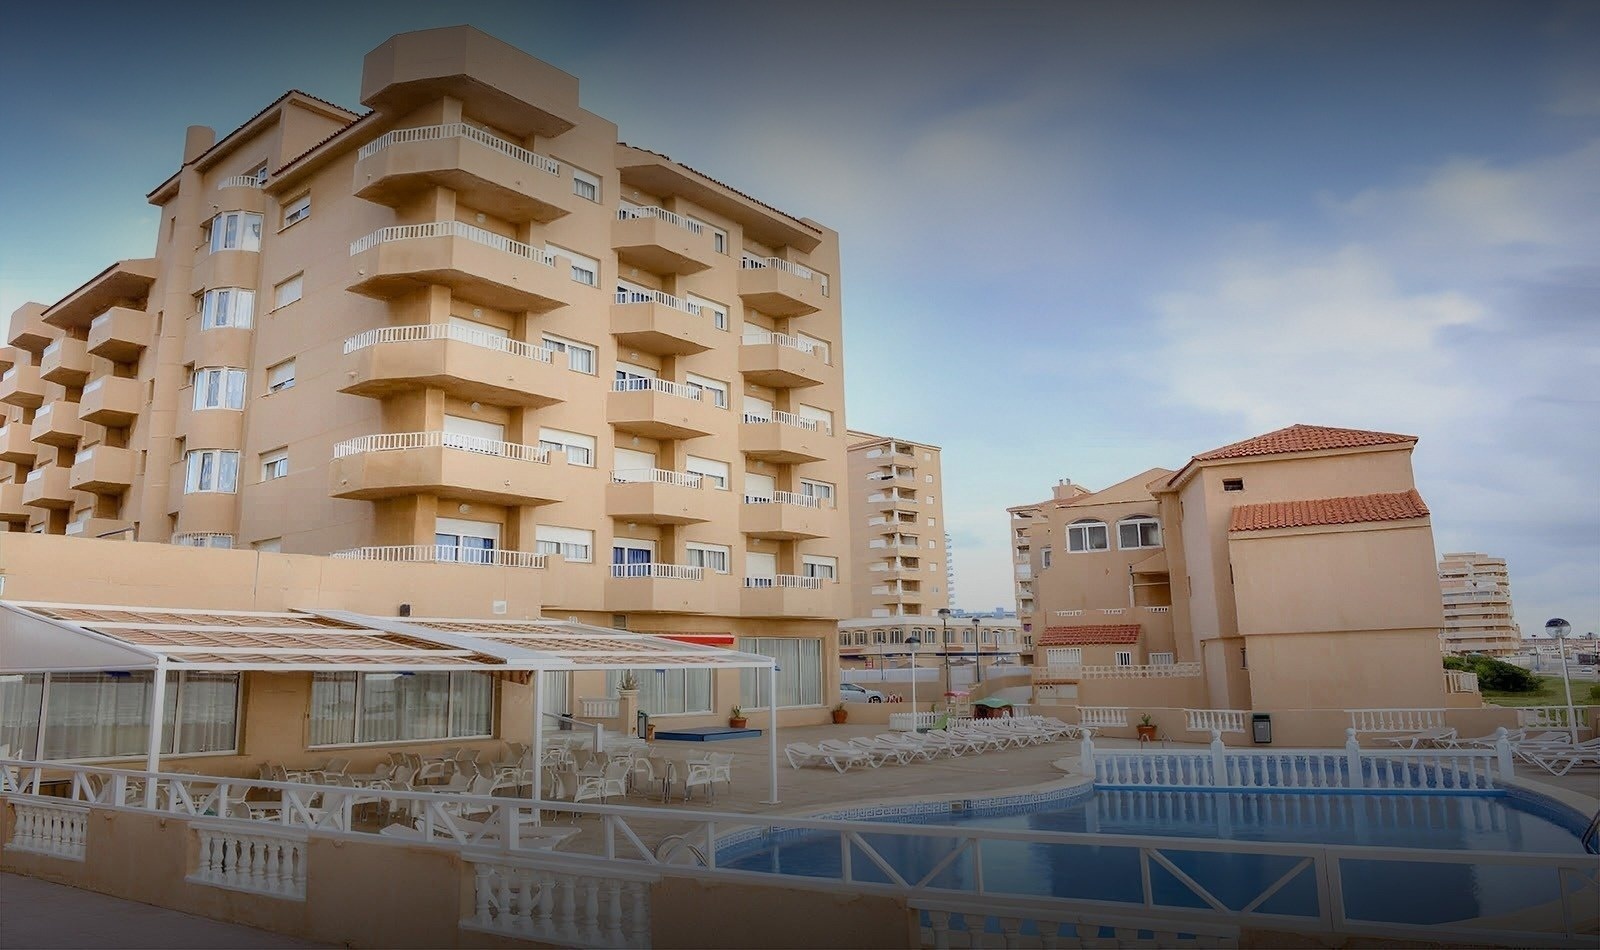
[[1079, 239]]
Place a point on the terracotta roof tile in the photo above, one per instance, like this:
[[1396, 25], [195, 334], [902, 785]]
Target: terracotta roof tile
[[1351, 509], [1303, 438], [1090, 634]]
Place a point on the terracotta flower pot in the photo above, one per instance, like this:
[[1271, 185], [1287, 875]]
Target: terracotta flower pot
[[1146, 732], [840, 717], [739, 723]]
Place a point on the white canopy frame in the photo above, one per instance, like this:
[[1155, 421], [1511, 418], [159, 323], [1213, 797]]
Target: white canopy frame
[[38, 637]]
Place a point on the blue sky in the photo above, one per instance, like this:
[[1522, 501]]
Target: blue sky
[[1080, 239]]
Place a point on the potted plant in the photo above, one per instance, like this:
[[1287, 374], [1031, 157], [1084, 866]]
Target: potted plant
[[1146, 728], [736, 718], [841, 715], [629, 683]]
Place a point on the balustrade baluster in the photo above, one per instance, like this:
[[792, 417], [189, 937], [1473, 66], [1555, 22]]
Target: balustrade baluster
[[639, 926]]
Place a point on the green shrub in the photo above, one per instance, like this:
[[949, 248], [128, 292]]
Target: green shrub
[[1594, 692], [1495, 674]]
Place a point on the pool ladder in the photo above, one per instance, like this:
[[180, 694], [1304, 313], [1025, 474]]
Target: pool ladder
[[672, 844], [1591, 835]]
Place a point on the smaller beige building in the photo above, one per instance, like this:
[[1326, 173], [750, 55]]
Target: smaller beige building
[[897, 531], [1478, 616]]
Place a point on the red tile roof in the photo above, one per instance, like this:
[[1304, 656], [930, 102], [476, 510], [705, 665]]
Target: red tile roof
[[1352, 509], [1090, 634], [1303, 438]]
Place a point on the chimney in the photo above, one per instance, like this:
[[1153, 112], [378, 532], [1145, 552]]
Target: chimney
[[1062, 489], [196, 139]]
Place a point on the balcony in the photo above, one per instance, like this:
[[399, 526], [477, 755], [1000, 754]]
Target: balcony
[[658, 588], [231, 267], [120, 334], [661, 242], [102, 469], [27, 329], [443, 554], [782, 361], [786, 595], [783, 437], [17, 445], [779, 287], [786, 516], [661, 323], [897, 505], [393, 465], [65, 361], [661, 409], [123, 284], [21, 386], [468, 364], [484, 170], [46, 487], [474, 263], [58, 424], [105, 529], [654, 496], [111, 401], [12, 510]]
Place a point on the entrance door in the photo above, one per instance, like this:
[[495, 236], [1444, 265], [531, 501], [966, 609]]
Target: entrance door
[[471, 541], [631, 557]]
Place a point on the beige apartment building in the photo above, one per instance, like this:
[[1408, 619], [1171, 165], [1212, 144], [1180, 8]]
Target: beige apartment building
[[897, 531], [1478, 616], [466, 325], [1290, 571]]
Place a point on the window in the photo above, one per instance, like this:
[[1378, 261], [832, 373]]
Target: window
[[712, 557], [269, 545], [580, 356], [1138, 531], [711, 469], [821, 491], [1233, 484], [469, 542], [212, 470], [227, 307], [818, 565], [574, 544], [1161, 659], [668, 692], [287, 292], [822, 417], [353, 708], [236, 231], [714, 391], [274, 464], [105, 715], [1124, 658], [798, 677], [718, 313], [579, 448], [1087, 535], [1044, 558], [585, 185], [219, 388], [280, 376], [585, 270], [297, 210]]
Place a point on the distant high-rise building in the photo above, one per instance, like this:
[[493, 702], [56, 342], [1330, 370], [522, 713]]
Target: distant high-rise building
[[1477, 605], [897, 536]]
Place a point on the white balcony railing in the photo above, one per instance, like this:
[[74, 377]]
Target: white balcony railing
[[808, 347], [203, 539], [1395, 720], [1141, 671], [242, 181], [639, 384], [1068, 613], [58, 830], [404, 441], [795, 581], [779, 417], [1460, 681], [660, 214], [261, 859], [460, 229], [1219, 720], [1158, 610], [597, 708], [417, 333], [777, 263], [429, 133], [657, 476], [657, 297], [1103, 716], [784, 498], [443, 554], [667, 572]]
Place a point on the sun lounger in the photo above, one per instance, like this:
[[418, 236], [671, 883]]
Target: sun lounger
[[804, 753], [955, 743], [1426, 738], [912, 744], [1560, 762]]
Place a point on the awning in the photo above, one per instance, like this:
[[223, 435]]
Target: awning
[[704, 639]]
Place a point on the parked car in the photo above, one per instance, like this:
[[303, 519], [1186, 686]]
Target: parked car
[[851, 693]]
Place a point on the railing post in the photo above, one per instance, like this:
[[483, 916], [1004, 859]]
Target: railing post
[[1086, 755], [1219, 759], [1352, 759], [1505, 762]]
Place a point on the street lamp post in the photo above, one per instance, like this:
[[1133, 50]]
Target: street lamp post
[[913, 643], [944, 621], [977, 649], [1559, 629]]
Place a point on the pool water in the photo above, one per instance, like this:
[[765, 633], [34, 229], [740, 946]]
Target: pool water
[[1410, 892]]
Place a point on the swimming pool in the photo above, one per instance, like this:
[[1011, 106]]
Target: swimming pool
[[1424, 891]]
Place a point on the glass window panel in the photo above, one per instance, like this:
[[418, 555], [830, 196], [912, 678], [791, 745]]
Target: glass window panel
[[333, 708], [20, 695]]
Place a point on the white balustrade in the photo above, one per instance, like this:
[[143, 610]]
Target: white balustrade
[[1068, 613], [658, 476], [561, 905], [784, 580], [428, 133], [643, 384], [1395, 720], [459, 229], [443, 554], [785, 498], [594, 708], [1159, 610], [627, 297], [1550, 717], [660, 214], [808, 347], [407, 441], [912, 721], [1460, 681], [203, 539], [257, 857], [1220, 720], [668, 572], [242, 181], [779, 417], [59, 830], [447, 331], [1103, 716], [1113, 611], [788, 267], [1141, 671]]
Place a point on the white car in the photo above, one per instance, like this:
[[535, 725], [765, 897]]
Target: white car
[[851, 693]]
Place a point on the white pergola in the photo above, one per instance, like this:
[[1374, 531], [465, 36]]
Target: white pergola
[[80, 638]]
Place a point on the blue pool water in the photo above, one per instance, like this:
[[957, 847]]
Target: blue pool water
[[1411, 892]]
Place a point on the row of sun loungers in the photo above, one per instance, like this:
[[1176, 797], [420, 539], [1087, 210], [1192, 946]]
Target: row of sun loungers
[[1552, 751], [975, 736]]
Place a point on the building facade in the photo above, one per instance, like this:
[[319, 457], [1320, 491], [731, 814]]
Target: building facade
[[464, 325], [897, 532], [1478, 616]]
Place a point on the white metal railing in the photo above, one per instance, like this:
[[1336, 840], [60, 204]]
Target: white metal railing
[[779, 417], [784, 580], [784, 498], [1058, 671], [912, 721], [660, 214], [777, 263], [657, 297], [417, 333], [1113, 611], [1159, 610], [254, 857], [1141, 671], [429, 133], [599, 708], [808, 347], [645, 384], [201, 539], [1395, 720], [443, 554], [668, 572], [242, 181], [1218, 720], [460, 229], [1068, 613], [58, 829], [1460, 681], [406, 441], [549, 901], [1103, 716], [658, 476]]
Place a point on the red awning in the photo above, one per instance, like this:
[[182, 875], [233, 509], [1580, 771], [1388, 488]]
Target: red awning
[[703, 639]]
